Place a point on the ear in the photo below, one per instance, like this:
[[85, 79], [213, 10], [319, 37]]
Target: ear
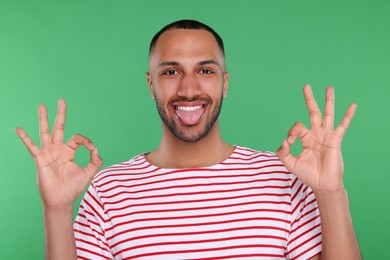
[[225, 84], [150, 84]]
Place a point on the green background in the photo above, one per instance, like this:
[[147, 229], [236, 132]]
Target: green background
[[94, 54]]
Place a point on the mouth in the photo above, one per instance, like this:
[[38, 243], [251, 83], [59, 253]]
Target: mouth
[[190, 114]]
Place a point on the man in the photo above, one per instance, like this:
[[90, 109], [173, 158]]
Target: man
[[195, 196]]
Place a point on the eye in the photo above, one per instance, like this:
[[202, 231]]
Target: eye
[[206, 71], [170, 72]]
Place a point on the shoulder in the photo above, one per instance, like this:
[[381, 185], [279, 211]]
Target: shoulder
[[245, 154], [259, 161], [269, 165], [135, 166]]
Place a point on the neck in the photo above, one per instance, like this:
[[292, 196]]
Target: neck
[[174, 153]]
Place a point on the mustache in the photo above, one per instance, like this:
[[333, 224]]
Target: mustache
[[178, 99]]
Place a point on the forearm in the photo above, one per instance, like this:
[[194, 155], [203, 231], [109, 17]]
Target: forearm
[[338, 235], [59, 236]]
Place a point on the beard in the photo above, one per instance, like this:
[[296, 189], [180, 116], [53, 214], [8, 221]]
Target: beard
[[182, 136]]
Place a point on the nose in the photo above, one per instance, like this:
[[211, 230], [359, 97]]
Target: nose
[[189, 87]]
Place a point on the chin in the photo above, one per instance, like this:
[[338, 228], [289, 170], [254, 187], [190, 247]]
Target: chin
[[189, 138]]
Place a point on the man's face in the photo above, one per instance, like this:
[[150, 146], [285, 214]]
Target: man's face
[[187, 79]]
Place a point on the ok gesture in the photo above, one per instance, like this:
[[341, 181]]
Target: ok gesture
[[60, 179], [320, 165]]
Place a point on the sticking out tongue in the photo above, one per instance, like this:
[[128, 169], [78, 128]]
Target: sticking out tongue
[[190, 117]]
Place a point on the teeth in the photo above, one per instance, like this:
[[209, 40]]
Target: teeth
[[187, 108]]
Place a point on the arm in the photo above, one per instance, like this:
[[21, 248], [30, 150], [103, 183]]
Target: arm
[[339, 239], [60, 180], [320, 166], [59, 238]]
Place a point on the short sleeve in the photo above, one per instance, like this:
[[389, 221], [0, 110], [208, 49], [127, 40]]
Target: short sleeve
[[305, 239], [89, 229]]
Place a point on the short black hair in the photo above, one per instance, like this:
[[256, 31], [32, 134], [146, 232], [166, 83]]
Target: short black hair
[[187, 24]]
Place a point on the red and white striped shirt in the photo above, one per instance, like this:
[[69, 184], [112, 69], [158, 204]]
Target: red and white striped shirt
[[246, 207]]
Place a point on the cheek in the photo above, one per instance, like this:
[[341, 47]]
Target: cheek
[[165, 89], [164, 93], [213, 87]]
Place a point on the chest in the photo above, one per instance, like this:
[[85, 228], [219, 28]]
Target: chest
[[200, 216]]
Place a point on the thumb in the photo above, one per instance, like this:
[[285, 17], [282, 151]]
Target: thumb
[[94, 164], [285, 156], [298, 130]]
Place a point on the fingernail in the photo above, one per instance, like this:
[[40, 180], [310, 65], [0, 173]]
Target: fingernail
[[290, 139]]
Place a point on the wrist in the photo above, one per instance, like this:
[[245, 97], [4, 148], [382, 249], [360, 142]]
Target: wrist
[[331, 194], [58, 209], [332, 200]]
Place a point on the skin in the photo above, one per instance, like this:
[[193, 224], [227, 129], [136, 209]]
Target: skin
[[320, 166], [188, 65], [179, 69], [60, 180]]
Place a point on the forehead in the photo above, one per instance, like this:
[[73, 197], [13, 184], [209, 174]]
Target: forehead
[[184, 44]]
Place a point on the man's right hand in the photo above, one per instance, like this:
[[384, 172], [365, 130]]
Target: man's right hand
[[60, 180]]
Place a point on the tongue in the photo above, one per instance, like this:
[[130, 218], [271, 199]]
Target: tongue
[[190, 117]]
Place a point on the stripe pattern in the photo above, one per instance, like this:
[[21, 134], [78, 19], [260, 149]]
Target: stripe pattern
[[247, 207]]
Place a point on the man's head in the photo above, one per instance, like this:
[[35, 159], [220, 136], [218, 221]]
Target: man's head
[[187, 78], [187, 25]]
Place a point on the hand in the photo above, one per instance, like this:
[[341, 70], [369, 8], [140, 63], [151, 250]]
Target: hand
[[320, 165], [60, 180]]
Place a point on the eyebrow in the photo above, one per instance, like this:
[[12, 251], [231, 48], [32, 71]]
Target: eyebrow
[[175, 63], [168, 63], [205, 62]]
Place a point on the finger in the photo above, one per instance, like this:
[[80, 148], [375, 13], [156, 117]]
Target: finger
[[343, 126], [78, 140], [30, 145], [329, 109], [285, 156], [59, 124], [94, 164], [312, 107], [298, 130], [44, 131]]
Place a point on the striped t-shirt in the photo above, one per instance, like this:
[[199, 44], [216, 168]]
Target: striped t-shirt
[[247, 207]]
